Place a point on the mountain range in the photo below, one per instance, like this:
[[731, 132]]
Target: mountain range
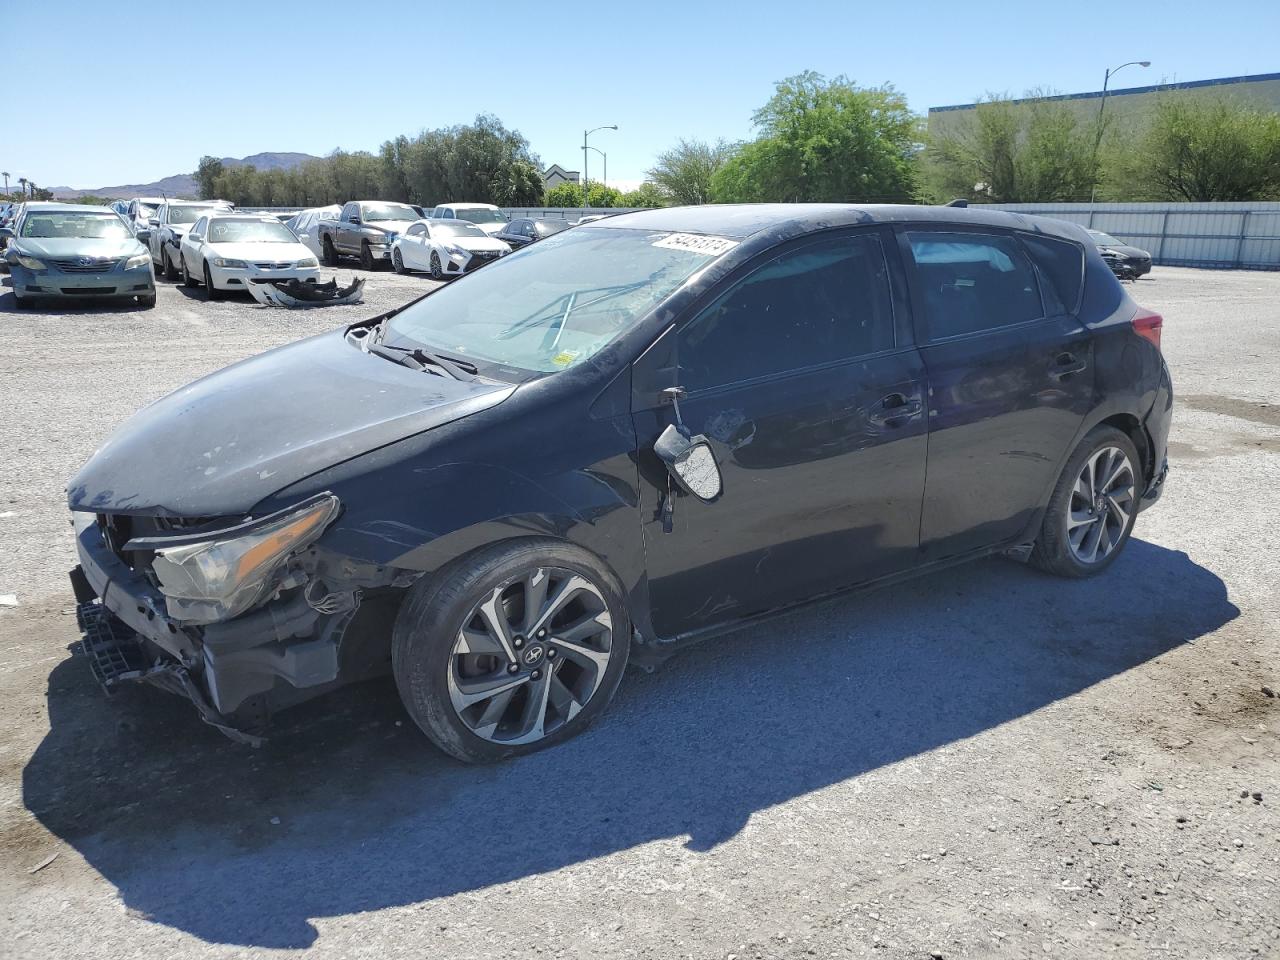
[[184, 184]]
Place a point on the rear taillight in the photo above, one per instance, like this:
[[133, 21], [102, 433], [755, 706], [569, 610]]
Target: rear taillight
[[1147, 325]]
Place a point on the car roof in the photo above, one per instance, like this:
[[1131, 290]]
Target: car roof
[[469, 206], [49, 206], [226, 213], [742, 220]]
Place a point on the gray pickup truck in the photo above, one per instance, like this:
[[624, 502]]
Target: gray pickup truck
[[365, 229]]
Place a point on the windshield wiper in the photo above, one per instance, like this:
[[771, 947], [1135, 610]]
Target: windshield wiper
[[607, 293], [419, 358]]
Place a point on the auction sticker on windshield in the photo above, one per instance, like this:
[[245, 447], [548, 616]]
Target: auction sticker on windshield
[[696, 243]]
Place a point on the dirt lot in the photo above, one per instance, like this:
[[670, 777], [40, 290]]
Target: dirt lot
[[984, 763]]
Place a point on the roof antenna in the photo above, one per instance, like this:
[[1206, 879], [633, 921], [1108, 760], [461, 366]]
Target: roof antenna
[[958, 202]]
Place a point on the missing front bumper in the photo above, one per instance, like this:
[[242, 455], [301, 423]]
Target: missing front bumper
[[118, 656]]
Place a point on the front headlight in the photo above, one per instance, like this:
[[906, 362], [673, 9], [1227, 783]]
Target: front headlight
[[141, 260], [457, 253], [31, 263], [210, 580], [390, 239], [233, 264], [309, 262]]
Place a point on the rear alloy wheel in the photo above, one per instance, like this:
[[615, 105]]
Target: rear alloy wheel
[[511, 649], [366, 256], [397, 262], [436, 272], [1093, 508], [213, 292]]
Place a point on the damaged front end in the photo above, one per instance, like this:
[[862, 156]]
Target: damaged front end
[[243, 618]]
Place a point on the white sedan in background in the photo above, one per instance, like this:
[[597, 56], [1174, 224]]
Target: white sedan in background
[[307, 226], [226, 251], [444, 248]]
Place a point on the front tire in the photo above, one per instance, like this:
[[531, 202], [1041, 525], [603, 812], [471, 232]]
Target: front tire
[[366, 256], [436, 272], [397, 261], [1093, 507], [213, 292], [511, 649], [187, 279], [170, 271]]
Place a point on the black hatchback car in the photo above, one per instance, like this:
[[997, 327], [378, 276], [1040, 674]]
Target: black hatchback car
[[641, 432]]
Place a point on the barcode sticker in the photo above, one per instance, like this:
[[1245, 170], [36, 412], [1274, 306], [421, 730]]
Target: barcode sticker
[[696, 243]]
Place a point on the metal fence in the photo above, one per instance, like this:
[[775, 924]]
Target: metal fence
[[1223, 235], [565, 213]]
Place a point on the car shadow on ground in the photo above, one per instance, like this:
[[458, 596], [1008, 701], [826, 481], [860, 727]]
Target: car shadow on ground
[[349, 809]]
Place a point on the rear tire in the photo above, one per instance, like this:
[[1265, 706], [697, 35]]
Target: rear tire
[[213, 292], [444, 653], [1093, 507]]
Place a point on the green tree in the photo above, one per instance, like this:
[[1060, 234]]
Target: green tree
[[686, 170], [1034, 151], [207, 174], [828, 140], [563, 195], [1201, 149], [646, 195]]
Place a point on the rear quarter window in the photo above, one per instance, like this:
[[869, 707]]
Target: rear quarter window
[[1060, 264]]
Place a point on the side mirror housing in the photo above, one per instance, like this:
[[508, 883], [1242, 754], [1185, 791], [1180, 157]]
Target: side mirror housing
[[691, 463]]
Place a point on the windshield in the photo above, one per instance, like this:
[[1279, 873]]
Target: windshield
[[454, 229], [480, 214], [94, 226], [252, 231], [188, 214], [1100, 237], [558, 302], [389, 211]]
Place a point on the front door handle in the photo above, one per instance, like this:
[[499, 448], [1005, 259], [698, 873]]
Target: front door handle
[[893, 408], [1066, 364]]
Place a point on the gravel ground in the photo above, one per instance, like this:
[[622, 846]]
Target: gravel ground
[[987, 762]]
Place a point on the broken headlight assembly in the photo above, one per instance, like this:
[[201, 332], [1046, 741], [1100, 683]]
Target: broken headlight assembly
[[221, 575]]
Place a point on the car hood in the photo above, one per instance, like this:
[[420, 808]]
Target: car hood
[[492, 228], [261, 252], [1124, 250], [76, 247], [220, 445], [476, 244], [390, 226]]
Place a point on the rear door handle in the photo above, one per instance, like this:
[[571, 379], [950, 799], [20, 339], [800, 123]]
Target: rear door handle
[[894, 407], [1066, 364]]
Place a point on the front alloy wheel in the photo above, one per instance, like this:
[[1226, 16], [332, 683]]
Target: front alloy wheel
[[518, 678], [511, 649]]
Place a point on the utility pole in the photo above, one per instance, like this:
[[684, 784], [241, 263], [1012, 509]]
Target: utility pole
[[1097, 140], [586, 179], [5, 174]]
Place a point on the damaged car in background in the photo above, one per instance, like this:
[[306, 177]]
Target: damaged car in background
[[637, 433]]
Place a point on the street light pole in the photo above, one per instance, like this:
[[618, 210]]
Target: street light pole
[[585, 178], [605, 157], [1097, 140]]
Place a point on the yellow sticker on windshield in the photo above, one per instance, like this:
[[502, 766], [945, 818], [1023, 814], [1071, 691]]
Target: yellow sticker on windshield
[[696, 243], [564, 359]]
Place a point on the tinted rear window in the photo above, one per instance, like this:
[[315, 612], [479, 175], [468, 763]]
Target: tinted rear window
[[1060, 264]]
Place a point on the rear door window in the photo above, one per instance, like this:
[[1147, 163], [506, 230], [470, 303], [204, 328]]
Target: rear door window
[[973, 282], [820, 302]]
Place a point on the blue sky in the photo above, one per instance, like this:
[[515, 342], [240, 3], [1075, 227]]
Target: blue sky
[[98, 95]]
